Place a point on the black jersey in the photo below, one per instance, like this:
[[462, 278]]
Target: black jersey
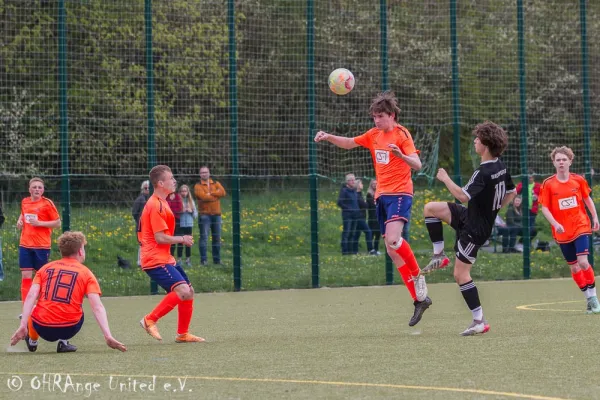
[[486, 190]]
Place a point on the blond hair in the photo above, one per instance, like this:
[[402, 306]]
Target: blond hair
[[70, 243], [562, 150], [36, 179], [189, 197]]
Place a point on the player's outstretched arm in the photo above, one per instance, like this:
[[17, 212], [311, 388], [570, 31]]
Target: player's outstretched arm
[[558, 227], [592, 208], [30, 300], [100, 314], [339, 141]]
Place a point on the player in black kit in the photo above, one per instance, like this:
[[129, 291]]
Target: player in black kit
[[489, 189]]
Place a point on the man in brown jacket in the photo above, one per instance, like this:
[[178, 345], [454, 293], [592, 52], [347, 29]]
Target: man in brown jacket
[[209, 193]]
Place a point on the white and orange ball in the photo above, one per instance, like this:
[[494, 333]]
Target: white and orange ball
[[341, 81]]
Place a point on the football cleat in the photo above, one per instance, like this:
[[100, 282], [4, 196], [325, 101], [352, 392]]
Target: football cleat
[[420, 307], [593, 305], [31, 344], [476, 328], [189, 338], [64, 346], [151, 328], [438, 261]]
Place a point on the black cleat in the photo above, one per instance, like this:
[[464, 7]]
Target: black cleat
[[65, 347], [31, 344], [420, 307]]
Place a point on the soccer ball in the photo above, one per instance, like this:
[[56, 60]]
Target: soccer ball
[[341, 81]]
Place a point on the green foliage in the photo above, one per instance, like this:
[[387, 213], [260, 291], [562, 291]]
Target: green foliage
[[107, 81], [276, 246]]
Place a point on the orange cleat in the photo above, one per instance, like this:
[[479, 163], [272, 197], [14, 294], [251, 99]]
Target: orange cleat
[[150, 327], [189, 338]]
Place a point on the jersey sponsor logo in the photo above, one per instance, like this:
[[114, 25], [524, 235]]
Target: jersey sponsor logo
[[30, 217], [382, 156], [498, 174], [567, 203]]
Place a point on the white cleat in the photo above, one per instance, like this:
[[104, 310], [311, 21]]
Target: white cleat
[[476, 328]]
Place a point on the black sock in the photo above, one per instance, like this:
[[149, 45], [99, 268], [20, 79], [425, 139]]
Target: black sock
[[470, 294], [435, 229]]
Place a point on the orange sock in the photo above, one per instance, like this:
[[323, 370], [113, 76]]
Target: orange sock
[[590, 278], [579, 279], [32, 332], [408, 256], [407, 278], [164, 307], [25, 286], [184, 317]]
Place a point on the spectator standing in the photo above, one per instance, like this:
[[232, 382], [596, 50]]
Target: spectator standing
[[361, 224], [372, 216], [348, 202], [138, 207], [534, 193], [1, 265], [186, 222], [209, 193], [176, 205]]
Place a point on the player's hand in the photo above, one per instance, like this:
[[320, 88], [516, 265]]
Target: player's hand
[[396, 150], [188, 240], [115, 344], [18, 335], [35, 222], [442, 175], [20, 224], [559, 228], [595, 225], [320, 136]]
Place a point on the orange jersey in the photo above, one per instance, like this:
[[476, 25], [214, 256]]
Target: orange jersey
[[565, 201], [394, 175], [37, 237], [63, 284], [156, 217]]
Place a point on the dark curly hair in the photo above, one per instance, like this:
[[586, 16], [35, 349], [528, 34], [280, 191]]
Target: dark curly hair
[[385, 102], [492, 136]]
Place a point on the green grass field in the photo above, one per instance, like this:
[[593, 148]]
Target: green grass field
[[276, 248], [343, 343]]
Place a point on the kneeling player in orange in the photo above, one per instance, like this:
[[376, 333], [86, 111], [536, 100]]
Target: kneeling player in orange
[[155, 234], [59, 288]]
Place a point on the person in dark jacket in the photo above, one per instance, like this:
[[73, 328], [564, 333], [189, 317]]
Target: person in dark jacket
[[514, 226], [372, 217], [361, 224], [348, 202], [138, 207]]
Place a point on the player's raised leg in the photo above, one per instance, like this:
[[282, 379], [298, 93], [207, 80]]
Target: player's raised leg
[[435, 213]]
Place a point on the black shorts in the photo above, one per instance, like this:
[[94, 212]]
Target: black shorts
[[465, 248]]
